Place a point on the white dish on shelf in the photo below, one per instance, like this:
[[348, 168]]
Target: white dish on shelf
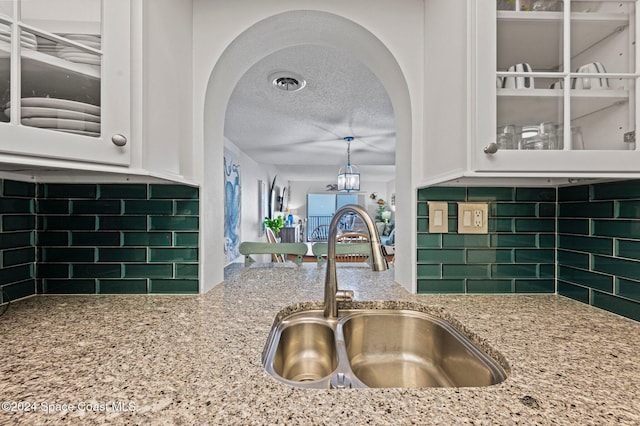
[[61, 104], [79, 132], [78, 55], [39, 112], [62, 124], [81, 38], [24, 41]]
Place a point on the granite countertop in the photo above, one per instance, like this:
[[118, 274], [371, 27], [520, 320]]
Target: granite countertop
[[196, 359]]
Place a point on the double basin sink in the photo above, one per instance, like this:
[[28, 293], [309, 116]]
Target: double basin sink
[[375, 348]]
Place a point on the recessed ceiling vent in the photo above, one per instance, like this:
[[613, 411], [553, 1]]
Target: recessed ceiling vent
[[287, 81]]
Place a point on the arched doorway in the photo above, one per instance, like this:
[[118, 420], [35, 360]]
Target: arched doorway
[[279, 31]]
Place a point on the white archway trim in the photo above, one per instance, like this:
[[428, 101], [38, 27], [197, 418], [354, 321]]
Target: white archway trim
[[299, 27]]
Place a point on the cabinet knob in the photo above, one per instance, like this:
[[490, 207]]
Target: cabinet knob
[[492, 148], [119, 140]]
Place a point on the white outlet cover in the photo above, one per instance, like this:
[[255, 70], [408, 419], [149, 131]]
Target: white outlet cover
[[472, 218]]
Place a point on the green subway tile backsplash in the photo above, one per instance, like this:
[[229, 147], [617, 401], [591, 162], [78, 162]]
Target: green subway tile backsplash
[[18, 256], [115, 191], [535, 225], [441, 286], [513, 209], [186, 270], [586, 278], [128, 223], [490, 256], [94, 207], [520, 244], [536, 194], [628, 288], [98, 238], [172, 192], [573, 291], [186, 239], [110, 254], [535, 286], [490, 194], [429, 271], [618, 305], [586, 244], [626, 268], [108, 286], [173, 223], [573, 259], [96, 270], [515, 270], [440, 256], [173, 254], [12, 240], [490, 286], [69, 223], [68, 286], [464, 240], [79, 238], [17, 240], [628, 209], [146, 270], [148, 207], [601, 266], [173, 286], [187, 208], [573, 193], [628, 248], [16, 205], [67, 191], [146, 239], [23, 222], [465, 271], [586, 209], [11, 188], [615, 190], [573, 226]]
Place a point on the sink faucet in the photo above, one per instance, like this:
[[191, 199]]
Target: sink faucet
[[378, 262]]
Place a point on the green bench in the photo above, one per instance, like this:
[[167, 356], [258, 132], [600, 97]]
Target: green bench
[[249, 248]]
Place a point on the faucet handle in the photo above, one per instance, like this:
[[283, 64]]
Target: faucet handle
[[344, 295]]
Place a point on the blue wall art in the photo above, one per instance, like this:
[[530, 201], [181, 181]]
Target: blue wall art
[[232, 204]]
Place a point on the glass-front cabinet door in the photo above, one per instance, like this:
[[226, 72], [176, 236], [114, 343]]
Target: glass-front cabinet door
[[557, 86], [64, 79]]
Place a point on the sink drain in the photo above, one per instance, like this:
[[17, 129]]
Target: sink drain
[[306, 377]]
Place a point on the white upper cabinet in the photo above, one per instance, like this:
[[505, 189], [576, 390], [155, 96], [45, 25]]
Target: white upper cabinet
[[555, 86], [65, 79]]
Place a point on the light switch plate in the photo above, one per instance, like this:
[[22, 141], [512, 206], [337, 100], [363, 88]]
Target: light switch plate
[[473, 218], [438, 217]]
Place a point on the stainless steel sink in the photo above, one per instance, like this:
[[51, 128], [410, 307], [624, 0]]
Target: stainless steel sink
[[375, 348], [306, 352]]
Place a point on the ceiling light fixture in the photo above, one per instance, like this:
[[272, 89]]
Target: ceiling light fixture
[[349, 176], [287, 81]]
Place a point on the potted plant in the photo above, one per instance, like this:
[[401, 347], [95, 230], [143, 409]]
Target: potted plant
[[274, 224]]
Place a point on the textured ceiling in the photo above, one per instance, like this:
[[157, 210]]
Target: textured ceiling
[[302, 132]]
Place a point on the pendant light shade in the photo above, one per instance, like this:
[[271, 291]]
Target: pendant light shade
[[349, 176]]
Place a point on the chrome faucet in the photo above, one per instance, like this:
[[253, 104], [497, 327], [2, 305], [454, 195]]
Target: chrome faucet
[[378, 262]]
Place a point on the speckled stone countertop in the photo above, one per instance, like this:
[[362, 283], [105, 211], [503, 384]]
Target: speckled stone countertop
[[196, 359]]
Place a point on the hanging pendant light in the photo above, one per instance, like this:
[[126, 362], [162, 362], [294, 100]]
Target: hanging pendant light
[[349, 176]]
